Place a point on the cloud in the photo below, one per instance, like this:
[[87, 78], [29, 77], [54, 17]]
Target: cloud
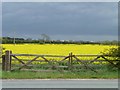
[[0, 19], [61, 18]]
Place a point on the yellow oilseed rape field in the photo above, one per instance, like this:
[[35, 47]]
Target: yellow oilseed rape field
[[56, 49]]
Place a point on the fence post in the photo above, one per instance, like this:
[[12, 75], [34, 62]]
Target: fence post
[[70, 61], [3, 62], [6, 61]]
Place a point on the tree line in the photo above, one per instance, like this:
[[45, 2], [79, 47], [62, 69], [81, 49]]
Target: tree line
[[10, 40]]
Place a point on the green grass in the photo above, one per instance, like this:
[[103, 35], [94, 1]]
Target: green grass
[[58, 75], [81, 74], [104, 71]]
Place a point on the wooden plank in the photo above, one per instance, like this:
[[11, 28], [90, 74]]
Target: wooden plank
[[64, 59], [45, 59], [52, 66], [78, 55], [72, 60], [96, 59], [110, 61], [38, 55], [35, 60], [89, 55], [92, 55], [29, 62], [84, 64], [18, 60], [38, 70], [79, 61]]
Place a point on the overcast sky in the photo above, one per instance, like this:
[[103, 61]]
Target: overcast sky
[[65, 21]]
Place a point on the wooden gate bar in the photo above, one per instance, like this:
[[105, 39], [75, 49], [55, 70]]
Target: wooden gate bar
[[95, 59], [110, 62], [53, 66], [84, 64], [18, 60], [29, 62], [64, 59]]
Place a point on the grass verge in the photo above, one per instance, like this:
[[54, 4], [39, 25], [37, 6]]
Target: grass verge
[[103, 72], [60, 75]]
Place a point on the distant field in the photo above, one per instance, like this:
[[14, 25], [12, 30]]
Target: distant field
[[57, 49]]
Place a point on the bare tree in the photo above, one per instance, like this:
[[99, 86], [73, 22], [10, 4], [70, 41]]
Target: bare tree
[[45, 37]]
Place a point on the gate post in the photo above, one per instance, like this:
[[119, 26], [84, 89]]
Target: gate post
[[6, 61], [70, 62], [3, 62]]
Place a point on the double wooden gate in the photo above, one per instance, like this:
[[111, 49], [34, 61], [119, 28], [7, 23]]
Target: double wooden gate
[[70, 60]]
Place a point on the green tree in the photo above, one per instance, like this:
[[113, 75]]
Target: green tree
[[115, 54]]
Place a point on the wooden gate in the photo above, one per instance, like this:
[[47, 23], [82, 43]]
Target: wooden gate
[[70, 60]]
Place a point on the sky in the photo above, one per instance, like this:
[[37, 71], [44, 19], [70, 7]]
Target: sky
[[0, 19], [89, 21]]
